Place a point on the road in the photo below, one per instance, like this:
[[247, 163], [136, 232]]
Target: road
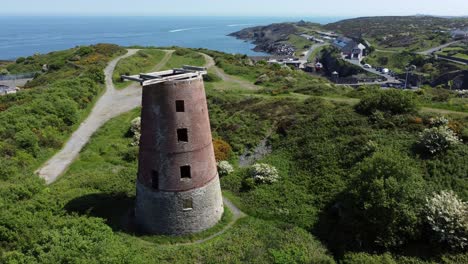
[[390, 79], [15, 83], [111, 104], [432, 50], [312, 49]]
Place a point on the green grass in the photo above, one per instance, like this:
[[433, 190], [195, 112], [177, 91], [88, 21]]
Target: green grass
[[183, 57], [143, 61], [300, 43], [314, 54], [395, 61]]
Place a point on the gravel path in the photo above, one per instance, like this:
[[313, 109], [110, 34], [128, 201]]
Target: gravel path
[[111, 104]]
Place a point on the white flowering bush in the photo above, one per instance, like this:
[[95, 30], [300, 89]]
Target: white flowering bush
[[264, 173], [439, 121], [224, 168], [136, 131], [437, 139], [448, 217]]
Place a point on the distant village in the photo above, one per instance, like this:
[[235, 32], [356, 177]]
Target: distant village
[[351, 51]]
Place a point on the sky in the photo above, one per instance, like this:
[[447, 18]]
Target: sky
[[235, 7]]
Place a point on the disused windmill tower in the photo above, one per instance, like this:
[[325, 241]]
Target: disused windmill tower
[[178, 189]]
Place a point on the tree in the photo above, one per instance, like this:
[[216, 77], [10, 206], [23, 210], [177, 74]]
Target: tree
[[385, 200]]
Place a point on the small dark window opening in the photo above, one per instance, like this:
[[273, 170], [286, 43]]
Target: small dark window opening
[[180, 106], [188, 204], [185, 172], [155, 180], [182, 135]]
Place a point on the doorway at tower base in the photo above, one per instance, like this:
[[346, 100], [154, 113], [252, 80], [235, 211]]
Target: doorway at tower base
[[178, 213]]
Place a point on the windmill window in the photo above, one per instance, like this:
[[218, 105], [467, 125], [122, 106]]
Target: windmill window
[[185, 172], [180, 105], [155, 179], [182, 135]]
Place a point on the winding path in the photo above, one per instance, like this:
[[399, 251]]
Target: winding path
[[111, 104]]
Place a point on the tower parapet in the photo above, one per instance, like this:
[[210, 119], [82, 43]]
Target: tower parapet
[[178, 189]]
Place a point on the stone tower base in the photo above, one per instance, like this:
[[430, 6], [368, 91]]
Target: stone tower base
[[178, 213]]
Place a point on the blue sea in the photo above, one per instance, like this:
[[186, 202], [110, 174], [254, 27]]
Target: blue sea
[[24, 36]]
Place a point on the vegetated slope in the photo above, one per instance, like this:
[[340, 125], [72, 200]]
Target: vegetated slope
[[85, 207], [400, 31], [355, 176], [36, 121], [143, 61]]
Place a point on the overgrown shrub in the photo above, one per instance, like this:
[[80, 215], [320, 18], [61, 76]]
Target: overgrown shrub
[[211, 77], [264, 173], [224, 168], [448, 217], [389, 101]]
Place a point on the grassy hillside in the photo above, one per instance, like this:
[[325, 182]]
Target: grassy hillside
[[37, 121], [411, 32], [353, 175], [143, 61]]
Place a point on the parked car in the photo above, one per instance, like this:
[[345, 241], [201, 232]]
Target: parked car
[[385, 71], [367, 66]]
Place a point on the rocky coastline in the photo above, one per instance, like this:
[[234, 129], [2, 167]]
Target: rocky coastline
[[270, 39]]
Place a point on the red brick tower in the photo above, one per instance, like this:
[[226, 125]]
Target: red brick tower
[[178, 190]]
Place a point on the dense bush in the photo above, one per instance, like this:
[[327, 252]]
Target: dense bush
[[448, 217], [385, 201], [437, 139], [388, 101], [135, 131], [211, 77]]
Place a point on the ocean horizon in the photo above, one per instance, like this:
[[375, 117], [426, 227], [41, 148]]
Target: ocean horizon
[[27, 35]]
